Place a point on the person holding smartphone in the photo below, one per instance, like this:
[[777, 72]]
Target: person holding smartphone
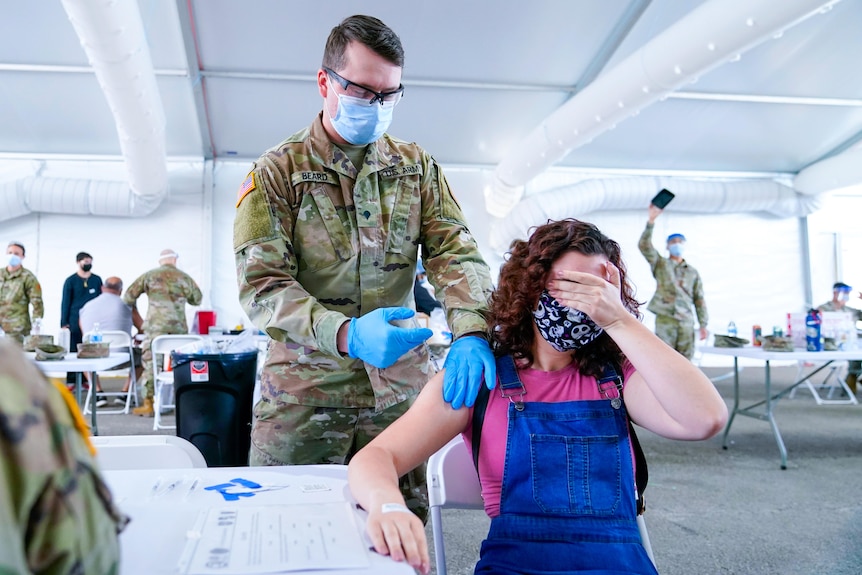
[[678, 288]]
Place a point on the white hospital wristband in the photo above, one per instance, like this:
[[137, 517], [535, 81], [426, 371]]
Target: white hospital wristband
[[394, 508]]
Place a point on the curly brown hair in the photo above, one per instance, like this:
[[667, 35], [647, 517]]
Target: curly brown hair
[[523, 277]]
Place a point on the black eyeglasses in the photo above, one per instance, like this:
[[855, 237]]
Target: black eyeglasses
[[355, 90]]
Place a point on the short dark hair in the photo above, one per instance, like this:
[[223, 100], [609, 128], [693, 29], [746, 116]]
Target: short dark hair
[[82, 256], [841, 286], [366, 30], [19, 244]]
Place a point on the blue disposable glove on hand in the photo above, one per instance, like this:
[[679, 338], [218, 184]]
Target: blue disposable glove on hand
[[468, 360], [374, 340]]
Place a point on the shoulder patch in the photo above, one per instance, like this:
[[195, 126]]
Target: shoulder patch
[[252, 220], [247, 185]]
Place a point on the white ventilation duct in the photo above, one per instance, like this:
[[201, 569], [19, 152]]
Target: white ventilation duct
[[112, 34], [711, 34], [837, 172], [694, 196]]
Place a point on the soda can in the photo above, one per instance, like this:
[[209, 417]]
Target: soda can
[[755, 335]]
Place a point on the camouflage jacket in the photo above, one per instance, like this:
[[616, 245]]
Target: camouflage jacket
[[830, 306], [678, 285], [18, 290], [319, 241], [168, 291], [56, 514]]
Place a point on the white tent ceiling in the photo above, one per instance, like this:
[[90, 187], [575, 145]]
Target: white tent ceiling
[[237, 77]]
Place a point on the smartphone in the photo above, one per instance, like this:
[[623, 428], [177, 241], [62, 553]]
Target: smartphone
[[662, 199]]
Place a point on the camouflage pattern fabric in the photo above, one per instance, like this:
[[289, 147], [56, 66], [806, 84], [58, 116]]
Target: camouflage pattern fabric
[[56, 513], [677, 334], [678, 287], [287, 434], [18, 290], [319, 241], [168, 291], [830, 306]]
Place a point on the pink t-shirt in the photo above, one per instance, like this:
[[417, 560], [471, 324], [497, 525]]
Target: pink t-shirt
[[566, 384]]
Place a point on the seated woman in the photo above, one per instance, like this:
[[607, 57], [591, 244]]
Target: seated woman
[[556, 464]]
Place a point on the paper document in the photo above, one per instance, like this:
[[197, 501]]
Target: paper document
[[274, 539]]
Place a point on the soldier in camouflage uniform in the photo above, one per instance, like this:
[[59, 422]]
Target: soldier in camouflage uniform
[[168, 291], [56, 513], [678, 288], [19, 289], [327, 234], [840, 297]]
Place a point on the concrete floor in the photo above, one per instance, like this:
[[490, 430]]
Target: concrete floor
[[715, 511]]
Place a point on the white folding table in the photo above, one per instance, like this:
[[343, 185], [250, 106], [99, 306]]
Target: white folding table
[[166, 507], [72, 363], [763, 409]]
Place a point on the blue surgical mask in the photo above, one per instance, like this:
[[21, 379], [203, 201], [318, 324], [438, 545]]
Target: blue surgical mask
[[359, 122], [676, 250], [566, 329], [13, 260]]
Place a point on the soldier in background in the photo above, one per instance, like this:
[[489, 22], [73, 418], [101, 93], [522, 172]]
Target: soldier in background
[[327, 234], [19, 289], [840, 297], [678, 289], [168, 291], [56, 513]]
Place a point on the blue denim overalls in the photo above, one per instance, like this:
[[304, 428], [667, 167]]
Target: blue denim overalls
[[567, 503]]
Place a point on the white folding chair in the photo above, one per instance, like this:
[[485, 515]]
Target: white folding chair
[[832, 382], [146, 452], [454, 483], [161, 347], [120, 341]]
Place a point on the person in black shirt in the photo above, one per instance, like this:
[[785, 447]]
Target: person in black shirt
[[78, 289]]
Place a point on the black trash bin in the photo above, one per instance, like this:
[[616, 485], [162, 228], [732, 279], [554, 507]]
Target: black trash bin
[[214, 402]]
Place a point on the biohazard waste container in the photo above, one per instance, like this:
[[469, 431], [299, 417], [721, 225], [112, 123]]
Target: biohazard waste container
[[213, 403]]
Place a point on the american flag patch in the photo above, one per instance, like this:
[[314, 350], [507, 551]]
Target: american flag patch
[[247, 186]]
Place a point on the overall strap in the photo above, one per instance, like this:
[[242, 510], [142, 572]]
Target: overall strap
[[611, 387], [510, 385], [510, 382]]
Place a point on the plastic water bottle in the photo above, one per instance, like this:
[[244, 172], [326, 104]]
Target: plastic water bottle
[[64, 338], [96, 334], [731, 329], [813, 321]]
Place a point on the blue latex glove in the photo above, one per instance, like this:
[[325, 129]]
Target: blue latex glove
[[468, 359], [374, 340]]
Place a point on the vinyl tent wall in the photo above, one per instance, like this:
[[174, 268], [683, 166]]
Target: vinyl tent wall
[[752, 263]]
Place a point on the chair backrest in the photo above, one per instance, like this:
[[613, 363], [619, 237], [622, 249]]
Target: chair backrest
[[453, 482], [118, 339], [146, 452], [452, 479], [164, 344]]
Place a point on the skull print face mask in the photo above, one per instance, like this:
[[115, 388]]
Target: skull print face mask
[[564, 328]]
